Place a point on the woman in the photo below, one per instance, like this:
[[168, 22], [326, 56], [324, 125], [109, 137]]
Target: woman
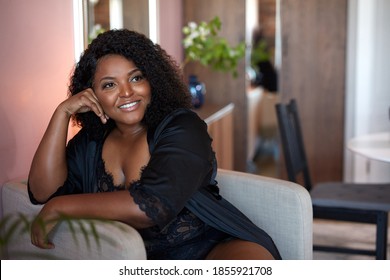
[[142, 157]]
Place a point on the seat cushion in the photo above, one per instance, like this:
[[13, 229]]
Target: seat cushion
[[347, 195]]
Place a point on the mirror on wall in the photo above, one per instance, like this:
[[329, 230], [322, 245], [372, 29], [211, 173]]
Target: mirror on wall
[[94, 16], [101, 15]]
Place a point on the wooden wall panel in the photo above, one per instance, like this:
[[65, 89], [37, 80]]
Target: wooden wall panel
[[222, 88], [136, 15], [313, 72]]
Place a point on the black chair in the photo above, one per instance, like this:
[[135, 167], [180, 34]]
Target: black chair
[[362, 203]]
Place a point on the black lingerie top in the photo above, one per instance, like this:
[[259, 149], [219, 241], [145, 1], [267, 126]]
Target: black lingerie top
[[177, 189]]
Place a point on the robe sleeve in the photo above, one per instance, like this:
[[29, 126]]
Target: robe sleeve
[[181, 163]]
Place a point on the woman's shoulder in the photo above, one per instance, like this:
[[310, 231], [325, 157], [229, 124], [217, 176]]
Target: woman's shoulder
[[181, 117], [181, 122], [81, 140], [81, 135], [182, 114]]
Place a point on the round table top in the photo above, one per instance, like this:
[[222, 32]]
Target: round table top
[[374, 146]]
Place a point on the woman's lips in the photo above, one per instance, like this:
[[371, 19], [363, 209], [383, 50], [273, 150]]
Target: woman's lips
[[129, 106]]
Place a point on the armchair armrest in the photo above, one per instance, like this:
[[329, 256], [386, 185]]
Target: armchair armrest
[[283, 209], [73, 239]]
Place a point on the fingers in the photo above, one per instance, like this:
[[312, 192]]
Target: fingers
[[85, 101], [43, 244], [39, 234], [95, 105]]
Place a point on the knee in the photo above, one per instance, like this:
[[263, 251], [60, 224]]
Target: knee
[[239, 250]]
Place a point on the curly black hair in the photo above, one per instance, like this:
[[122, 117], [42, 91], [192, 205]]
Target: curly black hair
[[168, 90]]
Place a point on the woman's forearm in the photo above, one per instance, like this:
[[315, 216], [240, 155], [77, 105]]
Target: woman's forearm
[[117, 206], [48, 169]]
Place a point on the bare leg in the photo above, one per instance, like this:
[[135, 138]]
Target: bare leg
[[239, 250]]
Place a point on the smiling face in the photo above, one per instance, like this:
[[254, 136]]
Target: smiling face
[[122, 90]]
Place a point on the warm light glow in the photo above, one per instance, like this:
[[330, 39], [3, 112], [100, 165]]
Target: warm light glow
[[116, 14], [153, 19], [78, 29]]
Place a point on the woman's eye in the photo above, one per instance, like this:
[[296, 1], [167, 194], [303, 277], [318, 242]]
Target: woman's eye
[[107, 85], [137, 78]]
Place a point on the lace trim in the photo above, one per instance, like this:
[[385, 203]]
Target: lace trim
[[156, 208], [184, 227], [106, 180], [153, 206]]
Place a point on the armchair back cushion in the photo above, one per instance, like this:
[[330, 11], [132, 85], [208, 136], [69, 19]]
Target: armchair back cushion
[[283, 209]]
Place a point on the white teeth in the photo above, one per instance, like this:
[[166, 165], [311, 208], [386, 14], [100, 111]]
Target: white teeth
[[128, 105]]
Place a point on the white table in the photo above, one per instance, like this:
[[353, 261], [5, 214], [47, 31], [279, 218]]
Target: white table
[[374, 146]]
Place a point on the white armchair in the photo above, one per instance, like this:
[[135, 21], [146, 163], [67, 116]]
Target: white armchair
[[283, 209]]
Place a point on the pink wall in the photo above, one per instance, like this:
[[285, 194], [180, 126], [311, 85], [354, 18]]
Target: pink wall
[[169, 28], [36, 58]]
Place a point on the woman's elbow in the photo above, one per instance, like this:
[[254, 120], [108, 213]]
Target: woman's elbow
[[39, 192]]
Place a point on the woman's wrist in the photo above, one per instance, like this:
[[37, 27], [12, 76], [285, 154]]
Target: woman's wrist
[[62, 109]]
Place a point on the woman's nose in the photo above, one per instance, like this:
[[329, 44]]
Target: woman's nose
[[126, 91]]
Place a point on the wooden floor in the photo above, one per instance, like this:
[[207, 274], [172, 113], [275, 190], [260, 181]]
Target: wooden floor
[[345, 234]]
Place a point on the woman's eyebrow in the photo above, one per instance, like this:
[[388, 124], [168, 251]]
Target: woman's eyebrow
[[132, 71]]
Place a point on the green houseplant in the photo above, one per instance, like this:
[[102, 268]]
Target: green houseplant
[[202, 44], [18, 225]]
